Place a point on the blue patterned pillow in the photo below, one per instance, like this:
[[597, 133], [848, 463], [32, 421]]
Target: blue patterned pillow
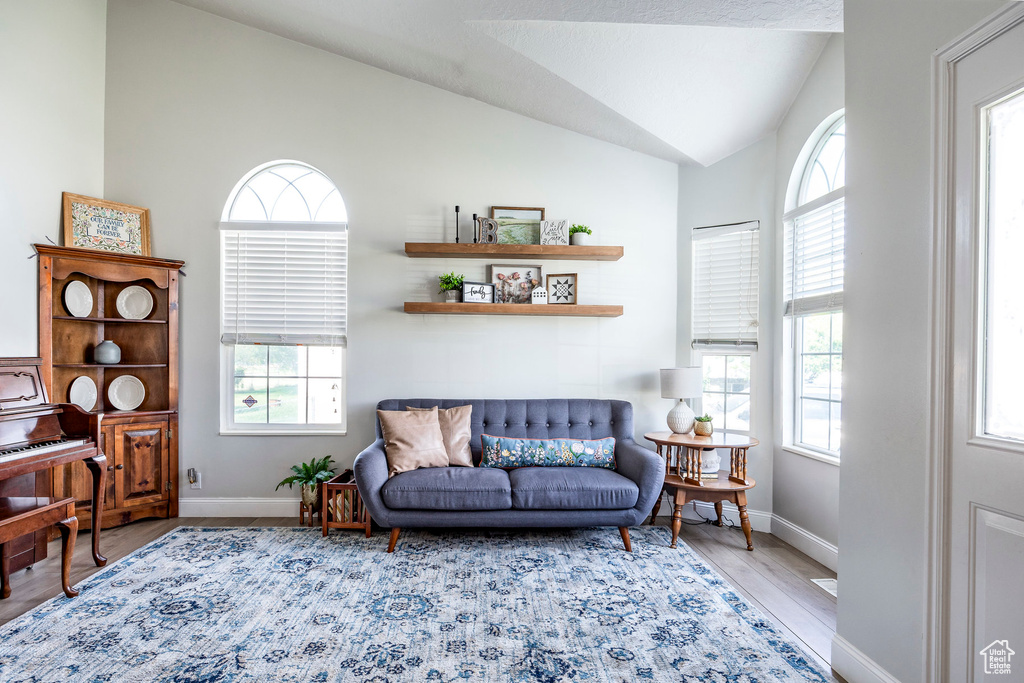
[[500, 451]]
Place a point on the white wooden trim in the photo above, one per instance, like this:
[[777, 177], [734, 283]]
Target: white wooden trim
[[856, 667], [238, 507], [938, 463], [803, 540]]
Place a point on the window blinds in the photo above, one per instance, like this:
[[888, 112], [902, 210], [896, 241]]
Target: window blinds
[[725, 284], [285, 287], [814, 259]]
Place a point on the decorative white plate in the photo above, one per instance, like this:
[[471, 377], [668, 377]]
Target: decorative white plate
[[126, 392], [134, 303], [83, 393], [78, 299]]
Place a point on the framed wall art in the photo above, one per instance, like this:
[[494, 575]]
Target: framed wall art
[[562, 288], [518, 224], [91, 223], [554, 232], [477, 293], [515, 284]]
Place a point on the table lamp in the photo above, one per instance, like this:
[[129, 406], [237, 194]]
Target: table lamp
[[681, 383]]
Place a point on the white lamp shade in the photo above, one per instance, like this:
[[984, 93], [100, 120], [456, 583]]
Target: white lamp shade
[[682, 382]]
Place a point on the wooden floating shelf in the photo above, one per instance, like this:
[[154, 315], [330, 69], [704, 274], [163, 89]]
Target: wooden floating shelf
[[513, 251], [110, 365], [430, 307], [107, 320]]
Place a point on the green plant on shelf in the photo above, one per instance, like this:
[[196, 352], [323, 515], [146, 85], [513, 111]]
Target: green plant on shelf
[[580, 228], [450, 281]]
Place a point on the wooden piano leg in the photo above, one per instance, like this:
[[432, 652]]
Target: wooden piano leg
[[5, 571], [68, 532], [98, 466]]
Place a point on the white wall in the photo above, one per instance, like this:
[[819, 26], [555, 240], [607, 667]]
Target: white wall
[[52, 56], [739, 188], [882, 507], [195, 101], [806, 491]]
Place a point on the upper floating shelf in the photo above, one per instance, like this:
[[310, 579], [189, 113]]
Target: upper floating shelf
[[512, 251]]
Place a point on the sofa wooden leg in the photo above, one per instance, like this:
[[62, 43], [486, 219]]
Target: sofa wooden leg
[[394, 539], [624, 532]]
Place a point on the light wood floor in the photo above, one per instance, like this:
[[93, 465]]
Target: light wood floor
[[775, 577]]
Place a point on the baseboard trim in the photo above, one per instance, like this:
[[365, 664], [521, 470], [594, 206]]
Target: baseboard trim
[[238, 507], [806, 542], [856, 667], [759, 520]]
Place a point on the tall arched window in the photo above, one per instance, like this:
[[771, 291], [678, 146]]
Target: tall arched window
[[284, 264], [813, 289]]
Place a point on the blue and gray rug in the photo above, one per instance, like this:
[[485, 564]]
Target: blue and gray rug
[[246, 604]]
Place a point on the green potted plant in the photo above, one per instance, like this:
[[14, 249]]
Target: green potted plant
[[309, 476], [451, 286], [702, 425], [579, 234]]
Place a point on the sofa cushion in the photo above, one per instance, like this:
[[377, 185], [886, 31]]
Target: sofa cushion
[[412, 440], [449, 488], [457, 430], [500, 451], [571, 488]]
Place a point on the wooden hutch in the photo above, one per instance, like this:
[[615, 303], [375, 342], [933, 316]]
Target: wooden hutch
[[141, 445]]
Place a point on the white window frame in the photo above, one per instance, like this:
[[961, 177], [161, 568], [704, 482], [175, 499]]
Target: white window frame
[[726, 352], [795, 313], [228, 426]]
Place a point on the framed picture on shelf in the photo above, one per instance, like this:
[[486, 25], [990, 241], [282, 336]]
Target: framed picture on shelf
[[477, 293], [554, 232], [515, 284], [91, 223], [562, 288], [518, 224]]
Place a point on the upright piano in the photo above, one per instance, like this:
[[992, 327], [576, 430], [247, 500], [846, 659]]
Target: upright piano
[[36, 436]]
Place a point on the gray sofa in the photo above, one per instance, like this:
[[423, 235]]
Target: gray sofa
[[524, 497]]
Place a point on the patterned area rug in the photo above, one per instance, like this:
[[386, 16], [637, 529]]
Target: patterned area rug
[[246, 604]]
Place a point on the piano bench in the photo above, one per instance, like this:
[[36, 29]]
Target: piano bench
[[24, 515]]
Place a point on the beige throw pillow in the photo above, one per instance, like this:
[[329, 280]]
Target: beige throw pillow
[[412, 440], [457, 430]]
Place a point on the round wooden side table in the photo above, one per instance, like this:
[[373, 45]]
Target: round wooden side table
[[683, 475]]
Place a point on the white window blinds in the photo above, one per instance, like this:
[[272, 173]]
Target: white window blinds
[[285, 287], [725, 284], [815, 239]]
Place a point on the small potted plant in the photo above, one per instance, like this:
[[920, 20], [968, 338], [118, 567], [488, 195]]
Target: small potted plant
[[451, 286], [309, 476], [579, 235], [702, 425]]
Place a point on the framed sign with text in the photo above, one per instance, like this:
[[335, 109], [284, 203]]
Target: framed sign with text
[[91, 223]]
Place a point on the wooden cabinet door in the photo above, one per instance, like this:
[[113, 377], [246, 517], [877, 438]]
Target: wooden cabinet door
[[141, 457]]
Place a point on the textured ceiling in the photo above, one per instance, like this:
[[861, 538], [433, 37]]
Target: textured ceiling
[[686, 80]]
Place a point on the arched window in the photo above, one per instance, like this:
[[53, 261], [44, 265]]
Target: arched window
[[284, 264], [813, 288]]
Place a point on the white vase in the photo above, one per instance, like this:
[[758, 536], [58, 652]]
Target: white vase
[[680, 418], [579, 239]]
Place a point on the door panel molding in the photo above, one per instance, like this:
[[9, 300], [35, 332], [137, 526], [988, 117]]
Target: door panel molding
[[940, 348]]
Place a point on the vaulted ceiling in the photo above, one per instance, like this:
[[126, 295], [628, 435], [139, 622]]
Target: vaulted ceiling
[[691, 81]]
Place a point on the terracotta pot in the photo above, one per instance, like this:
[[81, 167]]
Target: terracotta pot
[[702, 428]]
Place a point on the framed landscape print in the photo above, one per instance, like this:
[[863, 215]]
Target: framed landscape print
[[91, 223], [562, 289], [477, 293], [518, 224], [515, 284]]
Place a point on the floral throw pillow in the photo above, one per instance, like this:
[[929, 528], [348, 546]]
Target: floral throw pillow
[[500, 451]]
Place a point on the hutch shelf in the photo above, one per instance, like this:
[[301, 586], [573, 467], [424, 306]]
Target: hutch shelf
[[141, 445]]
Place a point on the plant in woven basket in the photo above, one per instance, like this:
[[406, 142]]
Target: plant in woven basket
[[702, 425], [308, 476]]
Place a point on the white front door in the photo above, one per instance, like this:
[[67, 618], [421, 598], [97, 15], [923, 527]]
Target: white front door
[[985, 418]]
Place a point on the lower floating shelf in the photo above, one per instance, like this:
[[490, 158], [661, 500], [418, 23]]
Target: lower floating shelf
[[513, 309]]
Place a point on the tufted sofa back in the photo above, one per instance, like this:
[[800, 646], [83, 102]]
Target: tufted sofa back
[[573, 418]]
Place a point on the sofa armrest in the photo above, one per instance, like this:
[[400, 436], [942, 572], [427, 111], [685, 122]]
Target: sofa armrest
[[371, 473], [645, 468]]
